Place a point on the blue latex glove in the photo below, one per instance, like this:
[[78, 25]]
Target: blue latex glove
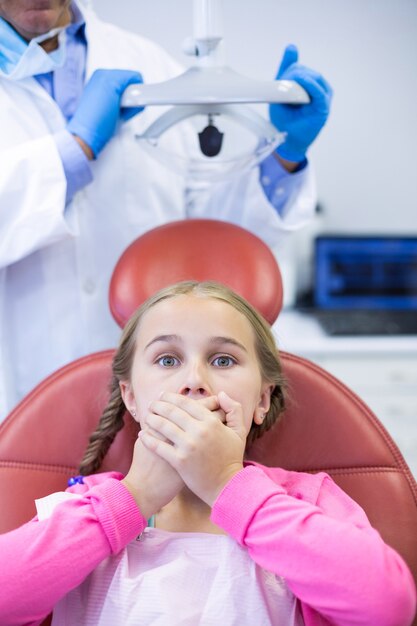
[[99, 109], [301, 122]]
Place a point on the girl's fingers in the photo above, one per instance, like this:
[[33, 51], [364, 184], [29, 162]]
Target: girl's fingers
[[177, 419], [210, 402], [162, 448], [195, 408], [234, 414], [181, 410], [164, 428]]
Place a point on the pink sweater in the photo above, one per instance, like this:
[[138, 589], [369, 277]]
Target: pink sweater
[[300, 526]]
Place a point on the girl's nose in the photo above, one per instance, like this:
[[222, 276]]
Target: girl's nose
[[195, 383], [194, 392]]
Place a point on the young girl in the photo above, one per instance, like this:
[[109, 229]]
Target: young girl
[[193, 534]]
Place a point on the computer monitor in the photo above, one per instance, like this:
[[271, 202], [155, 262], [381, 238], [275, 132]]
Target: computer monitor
[[365, 272]]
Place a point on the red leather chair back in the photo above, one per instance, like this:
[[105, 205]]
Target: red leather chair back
[[196, 250]]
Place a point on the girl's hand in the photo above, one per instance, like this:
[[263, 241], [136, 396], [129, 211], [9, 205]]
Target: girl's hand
[[152, 481], [195, 442]]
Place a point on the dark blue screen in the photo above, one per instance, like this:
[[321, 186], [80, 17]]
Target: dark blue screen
[[368, 272]]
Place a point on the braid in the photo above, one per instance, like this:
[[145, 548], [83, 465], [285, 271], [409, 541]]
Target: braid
[[111, 421]]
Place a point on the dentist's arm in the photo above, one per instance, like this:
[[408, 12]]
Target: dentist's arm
[[33, 215]]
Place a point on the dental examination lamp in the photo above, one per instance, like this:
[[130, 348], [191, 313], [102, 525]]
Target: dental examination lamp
[[211, 89]]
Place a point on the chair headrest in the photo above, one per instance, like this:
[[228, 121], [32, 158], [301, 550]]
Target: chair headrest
[[196, 249]]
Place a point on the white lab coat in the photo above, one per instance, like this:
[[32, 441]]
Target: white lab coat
[[56, 261]]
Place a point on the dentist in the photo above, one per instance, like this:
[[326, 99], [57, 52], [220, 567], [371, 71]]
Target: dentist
[[76, 188]]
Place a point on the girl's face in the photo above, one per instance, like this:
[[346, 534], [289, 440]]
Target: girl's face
[[196, 346]]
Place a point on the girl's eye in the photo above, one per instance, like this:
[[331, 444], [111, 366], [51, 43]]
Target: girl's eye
[[223, 361], [168, 360]]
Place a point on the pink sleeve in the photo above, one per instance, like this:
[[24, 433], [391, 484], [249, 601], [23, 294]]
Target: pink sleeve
[[42, 561], [329, 555]]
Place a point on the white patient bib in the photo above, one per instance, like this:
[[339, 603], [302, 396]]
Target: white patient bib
[[180, 579]]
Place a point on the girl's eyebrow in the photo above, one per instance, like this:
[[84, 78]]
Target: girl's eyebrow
[[214, 340], [166, 338], [223, 340]]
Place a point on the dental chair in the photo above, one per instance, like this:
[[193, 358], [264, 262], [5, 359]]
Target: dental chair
[[326, 427]]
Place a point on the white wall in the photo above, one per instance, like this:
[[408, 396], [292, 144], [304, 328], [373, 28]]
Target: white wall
[[366, 157]]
